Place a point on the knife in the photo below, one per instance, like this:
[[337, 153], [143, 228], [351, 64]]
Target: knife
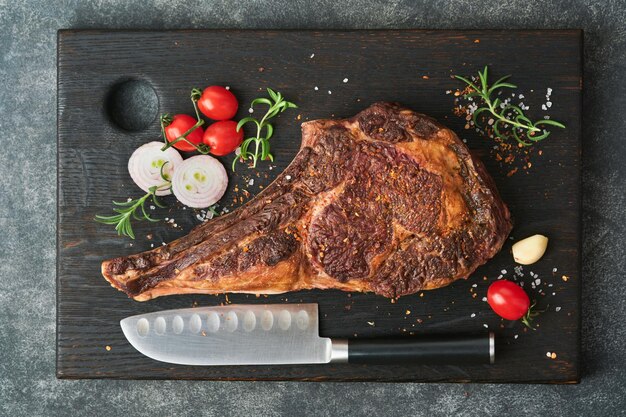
[[277, 334]]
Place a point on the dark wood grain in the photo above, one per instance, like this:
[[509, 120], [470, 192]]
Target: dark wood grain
[[379, 65]]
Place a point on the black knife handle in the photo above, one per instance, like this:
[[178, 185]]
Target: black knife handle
[[427, 350]]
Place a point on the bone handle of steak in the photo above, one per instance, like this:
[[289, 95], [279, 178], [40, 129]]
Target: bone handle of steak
[[427, 350]]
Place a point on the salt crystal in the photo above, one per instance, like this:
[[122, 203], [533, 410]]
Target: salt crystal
[[516, 336], [557, 309], [553, 293], [485, 325], [128, 200], [448, 91], [485, 299], [549, 104], [549, 91], [537, 281], [473, 315], [250, 110], [316, 88], [163, 243], [152, 207], [548, 354], [543, 107], [490, 122], [152, 245], [474, 285], [167, 218], [521, 96], [251, 182], [500, 277], [345, 80], [330, 92], [227, 87], [554, 269], [287, 177], [503, 272], [312, 55], [238, 151]]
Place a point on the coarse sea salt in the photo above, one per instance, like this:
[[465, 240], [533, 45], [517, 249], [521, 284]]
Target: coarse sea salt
[[557, 309], [473, 315], [503, 272], [316, 88], [484, 299], [345, 80]]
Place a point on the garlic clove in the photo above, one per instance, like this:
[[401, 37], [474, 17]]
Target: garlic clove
[[530, 250]]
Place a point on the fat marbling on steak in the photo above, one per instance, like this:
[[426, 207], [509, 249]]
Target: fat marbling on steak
[[388, 201]]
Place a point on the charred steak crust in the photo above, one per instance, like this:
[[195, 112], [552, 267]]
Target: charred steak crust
[[389, 201]]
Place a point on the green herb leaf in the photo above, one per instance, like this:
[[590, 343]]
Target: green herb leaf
[[511, 118], [276, 104], [129, 210]]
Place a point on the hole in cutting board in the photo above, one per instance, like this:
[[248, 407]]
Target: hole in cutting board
[[132, 104]]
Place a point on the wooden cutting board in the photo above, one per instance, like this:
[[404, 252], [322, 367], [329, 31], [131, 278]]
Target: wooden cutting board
[[328, 74]]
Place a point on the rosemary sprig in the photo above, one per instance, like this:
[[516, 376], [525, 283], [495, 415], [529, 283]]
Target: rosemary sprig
[[277, 104], [525, 131], [133, 209]]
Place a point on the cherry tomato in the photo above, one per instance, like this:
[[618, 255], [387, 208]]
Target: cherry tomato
[[179, 125], [508, 299], [218, 103], [223, 137]]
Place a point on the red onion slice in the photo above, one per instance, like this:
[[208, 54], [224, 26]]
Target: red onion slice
[[145, 165], [200, 181]]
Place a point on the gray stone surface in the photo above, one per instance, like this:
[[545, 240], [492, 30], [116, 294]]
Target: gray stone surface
[[28, 194]]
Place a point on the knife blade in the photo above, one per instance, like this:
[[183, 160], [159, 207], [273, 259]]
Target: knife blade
[[276, 334]]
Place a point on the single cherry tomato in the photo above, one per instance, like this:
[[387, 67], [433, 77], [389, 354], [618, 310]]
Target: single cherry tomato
[[508, 299], [177, 127], [222, 137], [218, 103]]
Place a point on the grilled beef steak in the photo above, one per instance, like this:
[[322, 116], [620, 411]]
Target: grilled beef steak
[[388, 201]]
